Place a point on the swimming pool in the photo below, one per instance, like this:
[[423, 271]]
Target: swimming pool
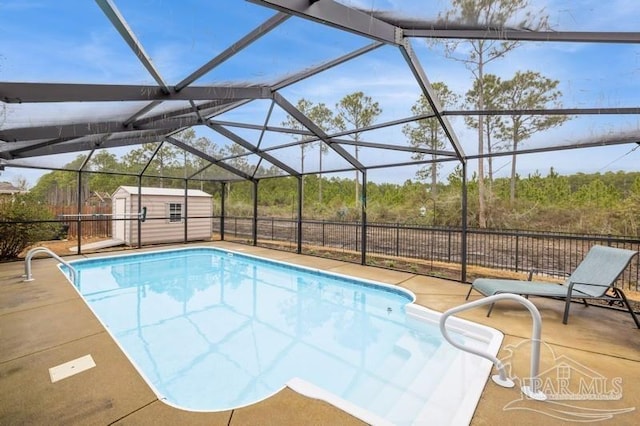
[[215, 330]]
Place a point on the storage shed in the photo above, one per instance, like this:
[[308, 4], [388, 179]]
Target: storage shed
[[165, 215]]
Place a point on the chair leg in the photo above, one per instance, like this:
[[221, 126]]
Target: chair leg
[[585, 302], [490, 309], [623, 297], [469, 294], [567, 305]]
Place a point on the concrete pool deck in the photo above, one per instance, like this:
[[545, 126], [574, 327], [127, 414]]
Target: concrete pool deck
[[44, 323]]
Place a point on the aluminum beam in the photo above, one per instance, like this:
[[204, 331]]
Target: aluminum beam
[[118, 21], [337, 15], [236, 47], [550, 111], [61, 92], [150, 106], [430, 94], [518, 35], [306, 122], [77, 130], [390, 147], [16, 148], [608, 140], [250, 147], [208, 157], [325, 66], [181, 112], [313, 138], [260, 127], [85, 145], [366, 144], [264, 127]]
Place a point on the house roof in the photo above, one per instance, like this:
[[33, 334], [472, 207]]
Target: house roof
[[9, 188], [173, 192]]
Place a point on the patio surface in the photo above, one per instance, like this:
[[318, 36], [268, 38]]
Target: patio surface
[[44, 323]]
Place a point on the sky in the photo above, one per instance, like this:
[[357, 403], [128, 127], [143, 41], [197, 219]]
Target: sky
[[80, 45]]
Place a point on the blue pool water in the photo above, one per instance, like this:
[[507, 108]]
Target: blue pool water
[[212, 330]]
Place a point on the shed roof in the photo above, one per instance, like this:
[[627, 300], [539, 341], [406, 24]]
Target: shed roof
[[162, 191]]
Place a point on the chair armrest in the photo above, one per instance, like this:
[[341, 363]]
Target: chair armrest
[[572, 283], [549, 271]]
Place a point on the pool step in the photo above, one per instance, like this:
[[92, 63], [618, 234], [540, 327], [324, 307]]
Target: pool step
[[400, 395], [420, 388]]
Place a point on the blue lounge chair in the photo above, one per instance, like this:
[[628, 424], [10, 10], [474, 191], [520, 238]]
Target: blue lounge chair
[[592, 279]]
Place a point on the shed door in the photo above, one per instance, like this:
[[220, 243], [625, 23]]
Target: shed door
[[120, 213]]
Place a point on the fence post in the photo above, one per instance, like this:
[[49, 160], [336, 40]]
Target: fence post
[[397, 239], [79, 212], [517, 251], [222, 209]]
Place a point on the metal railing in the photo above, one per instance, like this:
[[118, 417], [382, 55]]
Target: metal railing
[[501, 378], [433, 249], [425, 250], [27, 263]]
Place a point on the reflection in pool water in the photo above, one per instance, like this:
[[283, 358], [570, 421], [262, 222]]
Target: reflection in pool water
[[215, 331]]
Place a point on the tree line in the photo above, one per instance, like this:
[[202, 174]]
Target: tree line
[[585, 203]]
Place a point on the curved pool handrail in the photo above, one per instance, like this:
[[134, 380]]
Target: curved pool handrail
[[501, 378], [36, 250]]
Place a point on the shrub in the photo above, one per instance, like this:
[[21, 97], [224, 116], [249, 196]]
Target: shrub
[[15, 237]]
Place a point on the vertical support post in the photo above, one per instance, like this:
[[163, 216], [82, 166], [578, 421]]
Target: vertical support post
[[255, 212], [517, 251], [299, 222], [139, 204], [363, 260], [463, 237], [139, 230], [186, 206], [79, 220], [222, 208]]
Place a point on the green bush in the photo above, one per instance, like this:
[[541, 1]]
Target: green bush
[[15, 237]]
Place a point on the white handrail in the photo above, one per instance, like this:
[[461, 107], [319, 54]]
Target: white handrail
[[501, 378], [36, 250]]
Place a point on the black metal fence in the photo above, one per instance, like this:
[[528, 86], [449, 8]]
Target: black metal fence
[[423, 249], [433, 250]]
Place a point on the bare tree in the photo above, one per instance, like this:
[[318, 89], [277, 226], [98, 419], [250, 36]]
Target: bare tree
[[527, 90], [359, 111], [428, 133], [496, 14], [491, 86], [321, 117]]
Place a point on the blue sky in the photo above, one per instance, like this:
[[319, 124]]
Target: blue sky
[[80, 45]]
